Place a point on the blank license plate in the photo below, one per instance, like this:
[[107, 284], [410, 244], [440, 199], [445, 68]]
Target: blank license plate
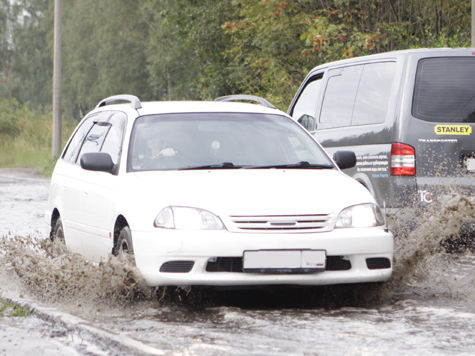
[[284, 261]]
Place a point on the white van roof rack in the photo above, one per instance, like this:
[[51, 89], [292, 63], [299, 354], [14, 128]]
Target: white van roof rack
[[244, 97], [132, 99]]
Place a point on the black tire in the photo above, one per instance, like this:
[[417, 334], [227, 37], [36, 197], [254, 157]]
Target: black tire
[[124, 248], [57, 231]]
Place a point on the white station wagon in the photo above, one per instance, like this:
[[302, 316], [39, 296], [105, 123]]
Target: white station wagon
[[214, 193]]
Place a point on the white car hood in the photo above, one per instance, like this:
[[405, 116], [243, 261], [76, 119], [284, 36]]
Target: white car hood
[[249, 191]]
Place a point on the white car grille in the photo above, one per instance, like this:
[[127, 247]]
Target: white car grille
[[282, 223]]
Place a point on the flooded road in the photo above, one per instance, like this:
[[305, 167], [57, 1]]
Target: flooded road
[[428, 307]]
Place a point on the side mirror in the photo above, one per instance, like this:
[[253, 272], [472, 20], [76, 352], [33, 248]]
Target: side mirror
[[307, 121], [97, 161], [345, 159]]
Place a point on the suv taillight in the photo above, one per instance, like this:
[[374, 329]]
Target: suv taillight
[[403, 160]]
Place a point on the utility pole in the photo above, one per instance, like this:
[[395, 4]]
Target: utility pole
[[57, 81]]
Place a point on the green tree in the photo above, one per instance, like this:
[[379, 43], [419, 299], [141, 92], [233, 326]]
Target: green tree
[[177, 49], [6, 49], [274, 42], [32, 58], [185, 48], [103, 52], [266, 53]]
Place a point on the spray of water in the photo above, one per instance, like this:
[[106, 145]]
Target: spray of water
[[432, 253], [422, 265], [47, 270]]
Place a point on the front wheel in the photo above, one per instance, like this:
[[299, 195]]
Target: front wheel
[[124, 249], [57, 232]]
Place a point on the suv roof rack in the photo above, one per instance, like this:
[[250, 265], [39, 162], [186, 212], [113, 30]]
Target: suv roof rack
[[132, 99], [244, 97]]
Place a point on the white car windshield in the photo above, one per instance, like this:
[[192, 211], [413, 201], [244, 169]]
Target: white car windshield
[[221, 140]]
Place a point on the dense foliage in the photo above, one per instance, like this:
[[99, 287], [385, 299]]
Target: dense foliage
[[191, 49], [25, 136]]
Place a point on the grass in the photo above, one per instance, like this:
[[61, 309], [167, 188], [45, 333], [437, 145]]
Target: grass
[[25, 137], [18, 152], [9, 309]]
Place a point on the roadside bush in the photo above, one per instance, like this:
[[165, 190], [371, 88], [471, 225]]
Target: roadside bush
[[8, 119], [25, 136]]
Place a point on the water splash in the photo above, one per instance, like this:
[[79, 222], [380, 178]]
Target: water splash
[[46, 270], [422, 267], [430, 254]]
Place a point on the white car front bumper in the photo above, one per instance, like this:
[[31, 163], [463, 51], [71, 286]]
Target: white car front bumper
[[200, 249]]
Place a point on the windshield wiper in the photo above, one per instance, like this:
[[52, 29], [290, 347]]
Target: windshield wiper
[[301, 164], [230, 165], [224, 165]]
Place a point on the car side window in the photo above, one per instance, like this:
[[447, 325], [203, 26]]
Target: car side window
[[71, 152], [95, 138], [340, 94], [305, 108], [113, 141], [374, 90]]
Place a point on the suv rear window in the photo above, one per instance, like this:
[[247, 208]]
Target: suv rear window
[[444, 90]]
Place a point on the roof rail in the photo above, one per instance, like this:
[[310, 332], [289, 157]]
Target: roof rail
[[132, 99], [244, 97]]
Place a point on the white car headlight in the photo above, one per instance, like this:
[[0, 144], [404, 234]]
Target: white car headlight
[[363, 215], [186, 218]]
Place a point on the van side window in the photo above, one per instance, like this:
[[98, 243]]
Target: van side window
[[305, 108], [372, 99], [357, 95], [339, 98]]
